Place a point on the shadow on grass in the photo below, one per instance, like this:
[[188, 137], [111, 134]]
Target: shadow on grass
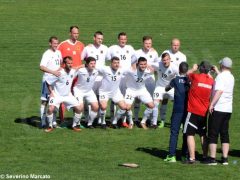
[[36, 122], [232, 152]]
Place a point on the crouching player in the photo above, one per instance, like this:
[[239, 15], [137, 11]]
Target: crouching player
[[110, 89], [84, 88], [181, 86], [136, 78], [60, 92]]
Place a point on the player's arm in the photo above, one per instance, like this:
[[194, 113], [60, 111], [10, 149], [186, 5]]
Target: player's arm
[[45, 69], [216, 97], [169, 86], [194, 68]]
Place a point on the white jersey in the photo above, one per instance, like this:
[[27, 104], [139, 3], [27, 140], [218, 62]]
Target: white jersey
[[176, 58], [86, 79], [111, 79], [62, 84], [151, 55], [165, 75], [136, 79], [51, 60], [126, 55], [99, 53], [224, 82]]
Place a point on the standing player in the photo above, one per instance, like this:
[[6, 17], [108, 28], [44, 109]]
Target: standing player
[[136, 78], [176, 58], [181, 86], [148, 52], [99, 52], [166, 72], [220, 111], [60, 89], [83, 89], [126, 55], [73, 48], [110, 88], [198, 103], [49, 64]]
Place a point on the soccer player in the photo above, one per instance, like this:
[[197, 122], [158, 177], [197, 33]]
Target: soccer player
[[198, 103], [176, 55], [126, 54], [99, 52], [176, 58], [220, 111], [136, 78], [50, 63], [110, 88], [83, 88], [60, 92], [151, 55], [166, 72], [181, 86], [73, 48]]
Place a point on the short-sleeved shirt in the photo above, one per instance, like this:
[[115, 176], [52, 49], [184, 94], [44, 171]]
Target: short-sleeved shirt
[[176, 58], [136, 79], [181, 87], [199, 93], [151, 55], [224, 82], [86, 79], [126, 55], [165, 74], [99, 53], [111, 79], [67, 48], [52, 60], [62, 84]]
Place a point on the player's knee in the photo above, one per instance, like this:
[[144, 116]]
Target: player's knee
[[51, 109], [150, 105], [95, 107], [103, 106]]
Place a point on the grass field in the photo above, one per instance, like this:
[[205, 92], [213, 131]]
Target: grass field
[[207, 29]]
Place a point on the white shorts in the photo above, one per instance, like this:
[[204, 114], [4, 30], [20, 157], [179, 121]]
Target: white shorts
[[90, 96], [44, 91], [143, 95], [150, 84], [69, 101], [160, 93], [116, 96]]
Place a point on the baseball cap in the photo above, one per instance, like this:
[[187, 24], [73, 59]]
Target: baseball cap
[[204, 67], [226, 62]]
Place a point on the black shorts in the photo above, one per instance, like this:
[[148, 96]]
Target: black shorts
[[195, 124], [218, 124]]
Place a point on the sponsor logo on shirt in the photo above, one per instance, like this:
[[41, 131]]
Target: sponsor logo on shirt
[[205, 85]]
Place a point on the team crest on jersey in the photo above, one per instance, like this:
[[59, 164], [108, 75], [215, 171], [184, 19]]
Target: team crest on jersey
[[145, 75], [177, 58], [150, 56], [91, 52], [118, 73], [71, 76], [68, 49], [117, 52], [78, 48], [101, 52], [127, 51], [169, 72], [93, 74]]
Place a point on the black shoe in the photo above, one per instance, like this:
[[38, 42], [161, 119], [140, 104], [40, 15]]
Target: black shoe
[[114, 126], [212, 162], [91, 127], [189, 161], [104, 126], [153, 127], [205, 160], [224, 161]]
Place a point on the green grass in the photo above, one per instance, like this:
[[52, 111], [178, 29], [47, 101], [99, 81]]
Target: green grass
[[207, 29]]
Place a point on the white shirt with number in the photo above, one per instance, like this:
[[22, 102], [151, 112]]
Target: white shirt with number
[[224, 82], [86, 79], [99, 53], [151, 55], [165, 74], [62, 84], [111, 79], [176, 58], [51, 60], [126, 55]]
